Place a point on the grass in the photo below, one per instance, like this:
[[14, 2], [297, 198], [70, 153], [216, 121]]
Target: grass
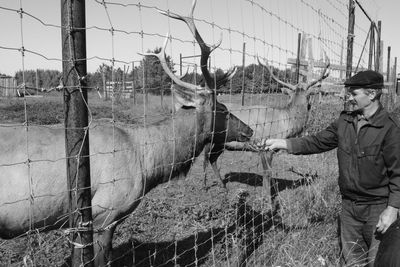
[[50, 110], [314, 245]]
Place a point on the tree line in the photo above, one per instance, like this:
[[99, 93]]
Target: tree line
[[150, 75]]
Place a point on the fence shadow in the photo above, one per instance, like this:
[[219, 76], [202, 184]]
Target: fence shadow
[[185, 252], [247, 231], [277, 184], [248, 178]]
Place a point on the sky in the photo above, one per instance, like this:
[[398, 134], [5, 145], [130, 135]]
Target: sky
[[269, 29]]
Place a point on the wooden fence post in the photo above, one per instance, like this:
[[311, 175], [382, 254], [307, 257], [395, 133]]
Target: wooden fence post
[[73, 35], [103, 76], [371, 45], [350, 39], [388, 64], [297, 77], [378, 48], [133, 83], [243, 65], [123, 83], [341, 60], [37, 81], [180, 64], [395, 77]]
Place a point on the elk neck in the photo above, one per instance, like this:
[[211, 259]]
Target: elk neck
[[167, 150], [298, 111], [298, 98]]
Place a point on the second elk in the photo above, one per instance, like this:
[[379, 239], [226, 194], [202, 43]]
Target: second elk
[[269, 122]]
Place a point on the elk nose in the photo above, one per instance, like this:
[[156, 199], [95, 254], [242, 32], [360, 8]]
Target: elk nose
[[248, 134], [251, 132]]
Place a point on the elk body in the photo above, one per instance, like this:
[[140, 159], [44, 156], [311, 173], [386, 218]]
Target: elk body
[[268, 122], [126, 161]]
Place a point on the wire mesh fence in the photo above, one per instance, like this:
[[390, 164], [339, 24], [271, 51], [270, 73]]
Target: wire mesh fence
[[145, 132]]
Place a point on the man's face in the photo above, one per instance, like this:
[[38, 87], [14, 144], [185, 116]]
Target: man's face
[[359, 99]]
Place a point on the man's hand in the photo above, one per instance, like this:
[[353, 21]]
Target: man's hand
[[272, 144], [387, 217]]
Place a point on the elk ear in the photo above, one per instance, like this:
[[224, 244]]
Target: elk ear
[[313, 90], [286, 91], [186, 98]]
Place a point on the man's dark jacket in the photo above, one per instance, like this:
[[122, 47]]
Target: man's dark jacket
[[369, 162]]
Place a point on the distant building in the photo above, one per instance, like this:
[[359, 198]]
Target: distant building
[[8, 86]]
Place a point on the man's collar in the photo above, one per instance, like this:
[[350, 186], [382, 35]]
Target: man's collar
[[361, 117], [378, 119]]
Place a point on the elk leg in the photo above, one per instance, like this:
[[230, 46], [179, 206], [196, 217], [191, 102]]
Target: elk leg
[[207, 151], [216, 151], [266, 161], [103, 246], [212, 157], [217, 173], [274, 183]]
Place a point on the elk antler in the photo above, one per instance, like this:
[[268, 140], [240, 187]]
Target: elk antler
[[221, 81], [293, 87], [322, 76], [287, 85], [205, 49], [161, 56], [180, 77], [226, 77]]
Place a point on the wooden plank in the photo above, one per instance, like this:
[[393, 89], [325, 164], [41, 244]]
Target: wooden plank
[[293, 61]]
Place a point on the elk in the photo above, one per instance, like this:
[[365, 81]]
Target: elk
[[268, 122], [33, 183]]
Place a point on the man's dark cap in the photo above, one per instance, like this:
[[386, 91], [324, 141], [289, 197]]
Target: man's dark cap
[[365, 79]]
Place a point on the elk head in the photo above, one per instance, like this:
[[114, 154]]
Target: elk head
[[299, 93], [223, 124]]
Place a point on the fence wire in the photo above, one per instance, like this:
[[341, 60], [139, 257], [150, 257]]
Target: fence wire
[[142, 140]]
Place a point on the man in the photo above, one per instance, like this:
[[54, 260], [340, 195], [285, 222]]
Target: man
[[368, 150]]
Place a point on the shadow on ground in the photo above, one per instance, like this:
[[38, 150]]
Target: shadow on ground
[[277, 185], [197, 248]]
